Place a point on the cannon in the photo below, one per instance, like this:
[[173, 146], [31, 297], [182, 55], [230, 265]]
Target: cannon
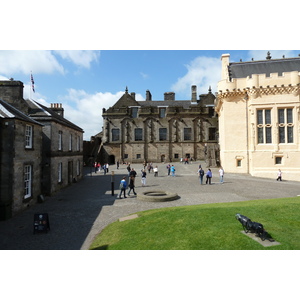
[[253, 227]]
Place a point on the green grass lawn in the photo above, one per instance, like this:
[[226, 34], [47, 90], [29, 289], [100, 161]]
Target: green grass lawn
[[205, 227]]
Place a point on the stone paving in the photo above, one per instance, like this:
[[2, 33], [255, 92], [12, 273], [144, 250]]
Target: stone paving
[[78, 213]]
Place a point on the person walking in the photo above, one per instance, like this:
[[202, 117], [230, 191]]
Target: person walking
[[169, 169], [279, 175], [131, 185], [132, 173], [128, 169], [173, 171], [221, 172], [201, 174], [208, 176], [144, 174], [155, 171], [123, 187]]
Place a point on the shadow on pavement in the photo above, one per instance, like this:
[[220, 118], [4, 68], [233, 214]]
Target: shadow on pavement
[[72, 213]]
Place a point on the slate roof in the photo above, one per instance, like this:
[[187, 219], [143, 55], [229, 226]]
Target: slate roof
[[7, 111], [43, 113], [170, 103], [244, 69]]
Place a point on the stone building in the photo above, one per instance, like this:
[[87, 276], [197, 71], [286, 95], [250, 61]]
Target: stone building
[[62, 159], [40, 153], [259, 117], [160, 131], [20, 154]]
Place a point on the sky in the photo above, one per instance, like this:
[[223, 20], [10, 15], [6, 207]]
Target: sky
[[86, 81]]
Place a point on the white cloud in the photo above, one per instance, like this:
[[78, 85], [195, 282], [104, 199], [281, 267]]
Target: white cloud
[[203, 72], [144, 75], [82, 58], [19, 61], [85, 110]]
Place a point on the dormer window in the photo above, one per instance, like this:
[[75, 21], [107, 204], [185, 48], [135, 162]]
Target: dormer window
[[134, 112], [162, 112]]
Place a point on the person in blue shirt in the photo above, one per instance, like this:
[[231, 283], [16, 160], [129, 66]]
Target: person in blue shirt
[[208, 176], [173, 170], [123, 187]]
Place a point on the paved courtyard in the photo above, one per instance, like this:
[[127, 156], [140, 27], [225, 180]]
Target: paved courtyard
[[78, 213]]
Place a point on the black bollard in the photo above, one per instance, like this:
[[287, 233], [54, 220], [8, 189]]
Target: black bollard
[[112, 183]]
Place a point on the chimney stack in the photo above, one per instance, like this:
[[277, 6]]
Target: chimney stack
[[169, 96], [194, 93], [132, 95], [57, 108], [148, 96], [11, 91]]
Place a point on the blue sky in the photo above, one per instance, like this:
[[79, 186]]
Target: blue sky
[[85, 81], [166, 46]]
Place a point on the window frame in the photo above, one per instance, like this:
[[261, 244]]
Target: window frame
[[264, 126], [162, 112], [163, 134], [70, 142], [134, 111], [59, 172], [113, 136], [187, 133], [138, 134], [285, 128], [28, 181], [60, 140], [28, 136]]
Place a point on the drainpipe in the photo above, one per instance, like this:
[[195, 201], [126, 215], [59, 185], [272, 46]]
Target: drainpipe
[[246, 98]]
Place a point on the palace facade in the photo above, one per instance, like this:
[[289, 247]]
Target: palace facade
[[160, 131], [258, 106]]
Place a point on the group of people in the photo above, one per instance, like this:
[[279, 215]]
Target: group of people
[[171, 171], [98, 167], [209, 175]]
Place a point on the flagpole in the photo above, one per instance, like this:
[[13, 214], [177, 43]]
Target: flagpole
[[30, 85]]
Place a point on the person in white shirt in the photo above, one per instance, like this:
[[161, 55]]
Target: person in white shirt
[[279, 175], [221, 172]]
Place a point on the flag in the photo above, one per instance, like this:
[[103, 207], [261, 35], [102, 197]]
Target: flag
[[32, 83]]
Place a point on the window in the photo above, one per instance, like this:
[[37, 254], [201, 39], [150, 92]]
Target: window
[[134, 112], [60, 140], [28, 137], [27, 181], [162, 112], [60, 172], [138, 134], [212, 134], [162, 134], [70, 142], [125, 156], [78, 167], [78, 143], [285, 126], [264, 127], [115, 134], [138, 156], [187, 135], [176, 155], [278, 160], [238, 162]]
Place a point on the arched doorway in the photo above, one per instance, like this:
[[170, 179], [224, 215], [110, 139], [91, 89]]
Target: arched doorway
[[111, 160]]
